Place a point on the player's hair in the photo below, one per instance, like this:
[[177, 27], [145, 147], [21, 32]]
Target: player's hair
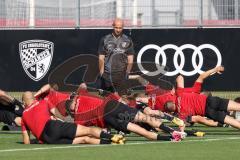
[[169, 106], [54, 86], [237, 99], [206, 93]]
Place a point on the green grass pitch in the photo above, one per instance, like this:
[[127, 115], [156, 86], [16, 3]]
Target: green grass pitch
[[218, 144]]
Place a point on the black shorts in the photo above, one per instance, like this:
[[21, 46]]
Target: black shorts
[[216, 108], [18, 110], [7, 107], [58, 132], [117, 115], [7, 117], [141, 106], [115, 82]]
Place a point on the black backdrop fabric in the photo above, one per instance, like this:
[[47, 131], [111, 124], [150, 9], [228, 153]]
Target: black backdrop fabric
[[75, 49]]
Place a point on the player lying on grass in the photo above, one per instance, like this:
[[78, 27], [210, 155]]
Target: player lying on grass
[[87, 109], [135, 101], [10, 109], [57, 100], [157, 97], [197, 89], [37, 119], [192, 104], [92, 116]]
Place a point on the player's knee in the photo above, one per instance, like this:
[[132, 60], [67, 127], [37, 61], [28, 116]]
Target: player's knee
[[140, 117], [18, 121], [147, 111], [86, 139]]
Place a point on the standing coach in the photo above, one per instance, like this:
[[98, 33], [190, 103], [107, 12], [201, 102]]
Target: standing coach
[[116, 55]]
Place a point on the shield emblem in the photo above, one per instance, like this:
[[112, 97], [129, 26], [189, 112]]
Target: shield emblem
[[36, 57]]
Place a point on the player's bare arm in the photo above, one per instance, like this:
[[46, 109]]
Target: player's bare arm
[[57, 114], [210, 72], [46, 88], [180, 81], [140, 79], [5, 98], [26, 137]]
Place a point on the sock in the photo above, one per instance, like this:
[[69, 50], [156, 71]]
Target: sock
[[168, 117], [17, 102], [190, 133], [163, 138], [105, 141], [105, 135], [166, 128], [219, 124]]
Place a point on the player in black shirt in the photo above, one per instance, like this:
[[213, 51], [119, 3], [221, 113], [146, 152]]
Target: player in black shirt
[[116, 55]]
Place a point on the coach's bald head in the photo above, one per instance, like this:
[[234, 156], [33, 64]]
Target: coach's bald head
[[27, 98], [117, 26]]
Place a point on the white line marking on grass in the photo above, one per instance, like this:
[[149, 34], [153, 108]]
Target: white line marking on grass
[[128, 144]]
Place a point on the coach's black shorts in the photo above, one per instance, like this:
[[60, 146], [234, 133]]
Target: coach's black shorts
[[7, 115], [115, 82], [117, 115], [216, 108], [58, 132]]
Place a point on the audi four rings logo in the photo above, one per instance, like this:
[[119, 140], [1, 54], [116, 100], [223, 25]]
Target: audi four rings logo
[[197, 51]]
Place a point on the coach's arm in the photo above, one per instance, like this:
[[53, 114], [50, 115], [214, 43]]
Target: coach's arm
[[129, 64], [101, 59]]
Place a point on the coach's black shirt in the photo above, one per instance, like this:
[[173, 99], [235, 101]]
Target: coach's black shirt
[[116, 50]]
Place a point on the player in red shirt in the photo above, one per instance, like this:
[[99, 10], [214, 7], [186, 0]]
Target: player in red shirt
[[92, 110], [215, 108], [158, 97], [155, 100], [197, 87], [37, 119], [54, 98], [92, 107]]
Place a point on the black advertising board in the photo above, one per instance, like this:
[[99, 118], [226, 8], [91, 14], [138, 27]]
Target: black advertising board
[[31, 58]]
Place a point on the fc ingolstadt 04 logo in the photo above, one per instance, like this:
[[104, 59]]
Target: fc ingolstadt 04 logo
[[36, 57]]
